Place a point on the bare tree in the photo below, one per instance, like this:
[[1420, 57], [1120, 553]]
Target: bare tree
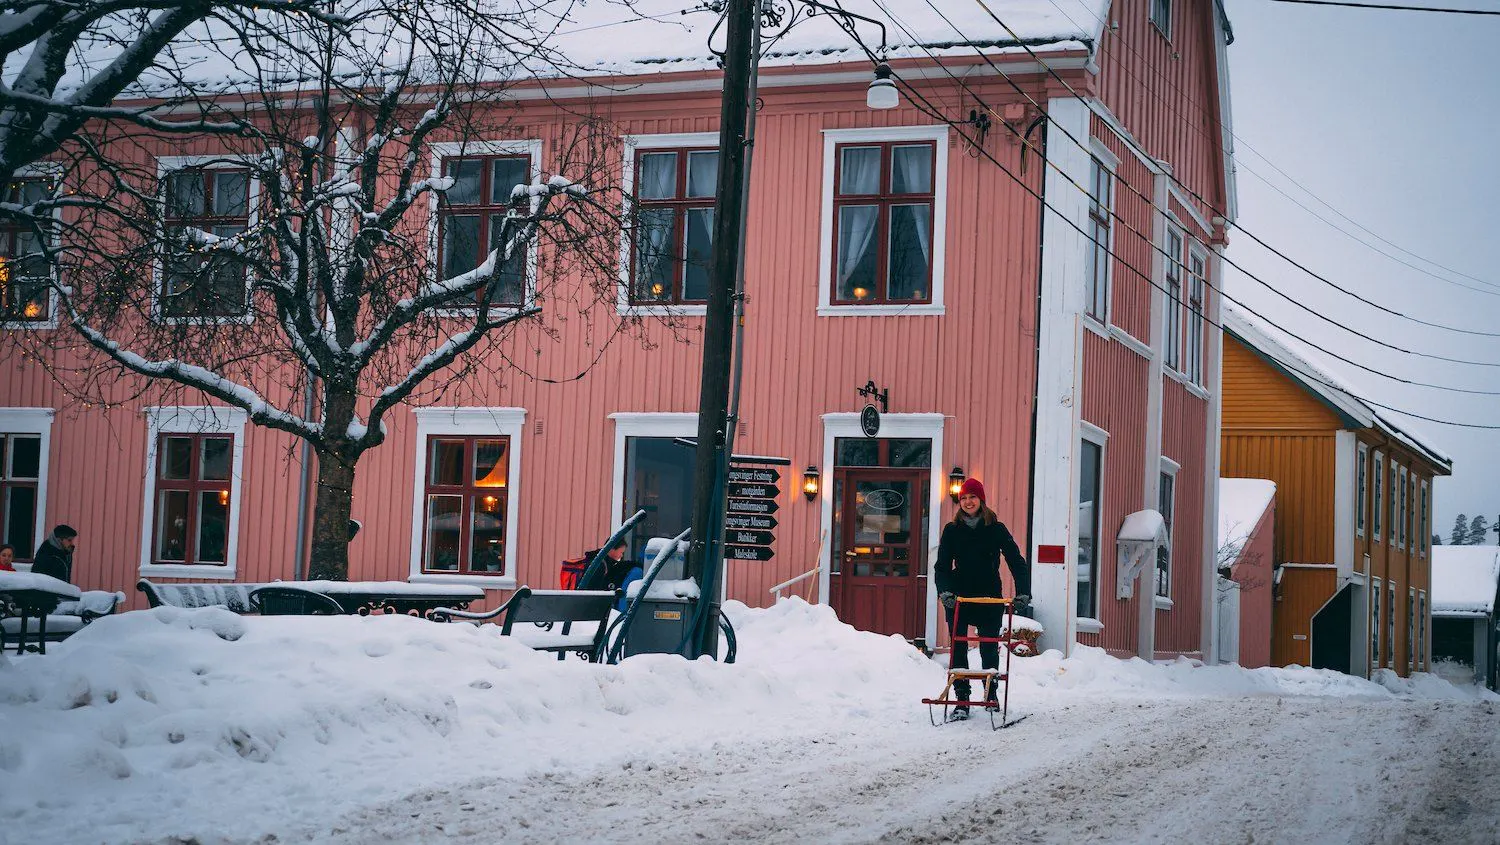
[[296, 272]]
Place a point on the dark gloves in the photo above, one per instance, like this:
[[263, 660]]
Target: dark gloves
[[1021, 605], [948, 599]]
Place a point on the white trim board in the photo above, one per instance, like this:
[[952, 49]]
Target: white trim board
[[937, 133], [194, 419], [930, 426], [641, 424], [469, 422]]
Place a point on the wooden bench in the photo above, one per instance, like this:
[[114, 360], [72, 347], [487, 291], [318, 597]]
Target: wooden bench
[[235, 597], [544, 610]]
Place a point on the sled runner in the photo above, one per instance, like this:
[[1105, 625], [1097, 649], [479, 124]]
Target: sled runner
[[996, 682]]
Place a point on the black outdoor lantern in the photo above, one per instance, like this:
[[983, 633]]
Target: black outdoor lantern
[[810, 481], [955, 483]]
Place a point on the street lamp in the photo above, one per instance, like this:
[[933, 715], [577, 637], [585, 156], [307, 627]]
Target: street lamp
[[882, 93]]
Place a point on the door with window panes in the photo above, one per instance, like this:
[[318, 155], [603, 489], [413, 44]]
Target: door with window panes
[[878, 566]]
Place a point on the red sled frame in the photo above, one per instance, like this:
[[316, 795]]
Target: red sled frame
[[990, 677]]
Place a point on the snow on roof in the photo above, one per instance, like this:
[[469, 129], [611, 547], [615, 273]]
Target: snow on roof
[[1242, 502], [1304, 367], [1464, 579]]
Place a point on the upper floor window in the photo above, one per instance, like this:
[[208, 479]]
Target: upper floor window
[[471, 223], [1424, 538], [883, 223], [1405, 509], [1361, 488], [1172, 353], [674, 225], [1161, 16], [25, 290], [1379, 509], [1197, 299], [205, 205], [1395, 496], [1101, 205]]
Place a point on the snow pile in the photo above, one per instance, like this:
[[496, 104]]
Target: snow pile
[[161, 723], [1242, 502], [1464, 579], [37, 581]]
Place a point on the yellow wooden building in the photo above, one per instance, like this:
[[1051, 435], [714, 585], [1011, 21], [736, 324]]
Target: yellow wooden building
[[1353, 507]]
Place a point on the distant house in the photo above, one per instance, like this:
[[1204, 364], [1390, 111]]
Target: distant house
[[1247, 526], [1353, 529], [1465, 595]]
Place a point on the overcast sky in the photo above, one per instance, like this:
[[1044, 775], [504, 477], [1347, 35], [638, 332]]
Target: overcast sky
[[1392, 118]]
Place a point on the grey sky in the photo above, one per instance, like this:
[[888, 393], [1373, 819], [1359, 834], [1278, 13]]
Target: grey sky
[[1392, 118]]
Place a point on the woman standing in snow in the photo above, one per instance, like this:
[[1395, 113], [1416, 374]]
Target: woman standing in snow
[[968, 565]]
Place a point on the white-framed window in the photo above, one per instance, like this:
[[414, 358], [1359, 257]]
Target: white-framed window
[[194, 478], [27, 297], [1379, 509], [653, 472], [217, 196], [1390, 625], [1375, 622], [1101, 239], [1092, 453], [1197, 302], [666, 253], [466, 499], [884, 221], [466, 220], [1161, 17], [1395, 497], [1405, 509], [1422, 662], [1411, 629], [1172, 319], [1166, 504], [1361, 489], [25, 445], [1424, 539]]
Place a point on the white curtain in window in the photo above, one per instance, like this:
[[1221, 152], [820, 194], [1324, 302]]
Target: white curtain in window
[[658, 176], [856, 231], [913, 170]]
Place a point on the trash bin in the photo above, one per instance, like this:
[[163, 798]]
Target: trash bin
[[666, 612]]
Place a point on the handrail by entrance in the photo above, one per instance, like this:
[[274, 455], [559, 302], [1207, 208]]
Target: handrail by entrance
[[822, 541]]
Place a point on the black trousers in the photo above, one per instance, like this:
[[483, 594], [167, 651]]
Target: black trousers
[[986, 620]]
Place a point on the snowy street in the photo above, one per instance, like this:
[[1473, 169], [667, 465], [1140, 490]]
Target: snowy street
[[170, 726]]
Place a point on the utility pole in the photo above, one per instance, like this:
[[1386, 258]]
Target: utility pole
[[706, 554]]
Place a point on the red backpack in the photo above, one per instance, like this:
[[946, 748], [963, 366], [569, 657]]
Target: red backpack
[[572, 570]]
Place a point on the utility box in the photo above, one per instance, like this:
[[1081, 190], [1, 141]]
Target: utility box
[[665, 614]]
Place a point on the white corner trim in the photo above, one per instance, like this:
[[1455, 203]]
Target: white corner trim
[[1089, 626], [1129, 341], [529, 147], [632, 144], [937, 133], [193, 419], [642, 424], [469, 421], [928, 425], [1345, 450], [36, 421]]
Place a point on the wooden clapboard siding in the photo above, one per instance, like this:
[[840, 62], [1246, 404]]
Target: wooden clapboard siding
[[1302, 592], [1258, 396]]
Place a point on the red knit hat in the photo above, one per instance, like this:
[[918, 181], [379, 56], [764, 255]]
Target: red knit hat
[[972, 487]]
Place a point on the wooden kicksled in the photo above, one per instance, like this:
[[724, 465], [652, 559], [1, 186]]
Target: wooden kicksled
[[994, 680]]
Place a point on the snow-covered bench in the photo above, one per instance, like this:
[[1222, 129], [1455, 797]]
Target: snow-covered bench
[[66, 619], [235, 597], [545, 610]]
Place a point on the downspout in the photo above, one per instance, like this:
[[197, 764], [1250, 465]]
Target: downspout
[[1036, 370]]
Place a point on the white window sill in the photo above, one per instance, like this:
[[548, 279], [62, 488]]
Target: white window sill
[[662, 310], [245, 320], [1187, 383], [928, 309], [1163, 603], [1130, 342], [469, 313], [487, 582], [195, 571], [1089, 626], [34, 325], [1093, 324]]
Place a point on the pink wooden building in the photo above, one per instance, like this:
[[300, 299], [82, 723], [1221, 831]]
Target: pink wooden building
[[1079, 383]]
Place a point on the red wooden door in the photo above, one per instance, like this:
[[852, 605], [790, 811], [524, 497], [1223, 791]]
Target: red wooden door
[[879, 562]]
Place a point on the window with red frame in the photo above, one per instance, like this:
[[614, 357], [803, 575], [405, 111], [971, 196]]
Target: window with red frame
[[191, 516], [673, 236], [20, 470], [197, 280], [466, 489], [882, 223], [471, 223], [1196, 306], [25, 296]]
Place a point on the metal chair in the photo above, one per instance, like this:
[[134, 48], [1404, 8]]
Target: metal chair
[[272, 600]]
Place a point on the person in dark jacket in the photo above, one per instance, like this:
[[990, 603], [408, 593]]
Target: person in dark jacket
[[968, 565], [55, 555]]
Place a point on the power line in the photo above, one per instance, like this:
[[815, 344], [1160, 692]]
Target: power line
[[1441, 10], [1241, 164], [931, 110], [1115, 215]]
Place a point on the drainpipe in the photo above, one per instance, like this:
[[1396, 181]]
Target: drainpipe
[[1036, 371]]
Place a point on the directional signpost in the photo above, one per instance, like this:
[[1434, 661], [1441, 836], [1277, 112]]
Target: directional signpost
[[748, 520]]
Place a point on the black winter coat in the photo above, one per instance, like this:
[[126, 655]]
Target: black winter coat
[[51, 560], [968, 561]]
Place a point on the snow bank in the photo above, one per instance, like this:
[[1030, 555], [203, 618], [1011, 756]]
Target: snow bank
[[162, 723]]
